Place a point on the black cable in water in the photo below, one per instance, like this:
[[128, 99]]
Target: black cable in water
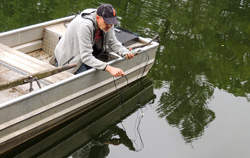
[[121, 101], [140, 78], [139, 118], [139, 133]]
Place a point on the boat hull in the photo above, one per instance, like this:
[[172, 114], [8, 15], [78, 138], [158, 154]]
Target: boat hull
[[80, 130]]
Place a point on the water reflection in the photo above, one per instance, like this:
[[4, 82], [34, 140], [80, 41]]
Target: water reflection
[[203, 39], [186, 109], [206, 45], [99, 147], [16, 13]]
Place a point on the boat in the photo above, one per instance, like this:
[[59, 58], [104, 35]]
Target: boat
[[80, 131], [48, 95]]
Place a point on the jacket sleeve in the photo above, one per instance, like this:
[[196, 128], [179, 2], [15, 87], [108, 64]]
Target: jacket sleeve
[[114, 44], [85, 39]]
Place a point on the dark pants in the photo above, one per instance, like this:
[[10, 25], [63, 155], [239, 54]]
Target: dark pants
[[82, 68], [97, 54]]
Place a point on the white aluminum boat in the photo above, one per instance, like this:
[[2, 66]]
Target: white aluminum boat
[[64, 140], [27, 51]]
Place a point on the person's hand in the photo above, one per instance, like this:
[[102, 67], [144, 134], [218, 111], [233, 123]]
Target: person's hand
[[117, 72], [129, 56]]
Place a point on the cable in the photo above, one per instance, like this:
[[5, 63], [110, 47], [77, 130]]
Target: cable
[[139, 117], [140, 77], [121, 101], [72, 13]]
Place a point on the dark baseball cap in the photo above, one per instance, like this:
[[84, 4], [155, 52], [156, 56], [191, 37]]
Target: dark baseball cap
[[108, 13]]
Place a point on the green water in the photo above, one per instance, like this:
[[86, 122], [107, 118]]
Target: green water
[[200, 76]]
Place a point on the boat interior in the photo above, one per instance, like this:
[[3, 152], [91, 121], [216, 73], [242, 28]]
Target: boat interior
[[30, 51]]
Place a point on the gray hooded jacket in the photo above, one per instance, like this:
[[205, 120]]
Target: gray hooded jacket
[[76, 45]]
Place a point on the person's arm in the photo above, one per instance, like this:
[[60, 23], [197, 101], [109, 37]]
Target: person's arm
[[117, 72], [116, 46]]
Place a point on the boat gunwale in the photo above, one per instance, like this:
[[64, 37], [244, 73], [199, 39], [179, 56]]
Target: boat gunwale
[[43, 24]]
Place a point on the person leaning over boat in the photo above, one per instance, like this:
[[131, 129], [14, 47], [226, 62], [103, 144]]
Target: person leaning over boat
[[88, 36]]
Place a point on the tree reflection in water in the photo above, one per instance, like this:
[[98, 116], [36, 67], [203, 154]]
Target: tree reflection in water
[[186, 109], [204, 46]]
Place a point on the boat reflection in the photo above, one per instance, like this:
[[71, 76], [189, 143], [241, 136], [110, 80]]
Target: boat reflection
[[91, 133], [99, 147]]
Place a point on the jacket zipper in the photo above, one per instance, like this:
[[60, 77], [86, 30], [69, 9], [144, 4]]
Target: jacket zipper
[[68, 61]]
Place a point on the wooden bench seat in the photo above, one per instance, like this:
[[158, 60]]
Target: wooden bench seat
[[28, 64]]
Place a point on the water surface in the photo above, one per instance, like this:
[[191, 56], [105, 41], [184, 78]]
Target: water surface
[[200, 76]]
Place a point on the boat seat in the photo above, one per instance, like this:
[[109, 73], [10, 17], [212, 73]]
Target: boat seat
[[28, 64], [51, 37]]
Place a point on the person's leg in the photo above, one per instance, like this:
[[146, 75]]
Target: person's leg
[[83, 68]]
